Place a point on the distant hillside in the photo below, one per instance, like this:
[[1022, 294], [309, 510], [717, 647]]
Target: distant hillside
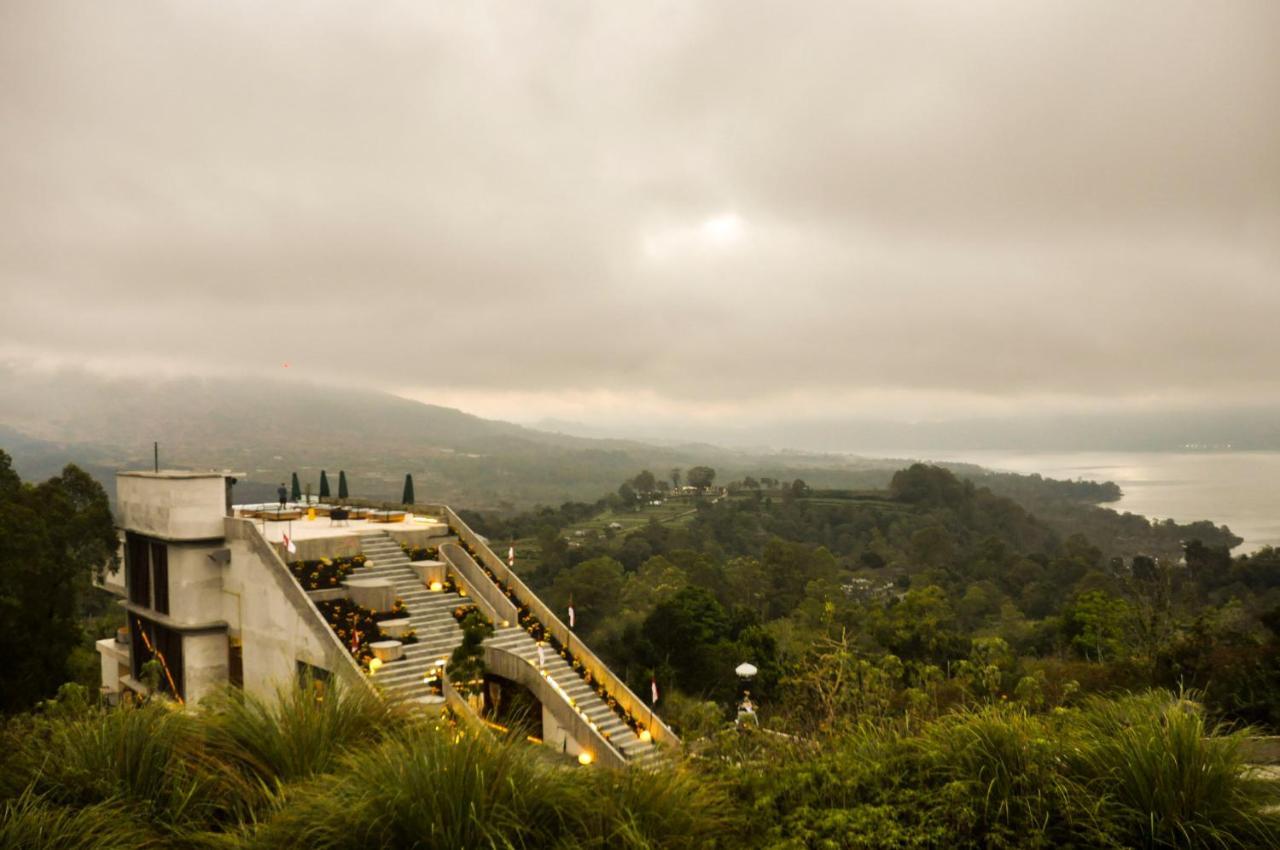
[[1246, 428], [269, 428]]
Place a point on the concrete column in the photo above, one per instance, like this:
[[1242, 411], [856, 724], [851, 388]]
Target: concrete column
[[555, 736]]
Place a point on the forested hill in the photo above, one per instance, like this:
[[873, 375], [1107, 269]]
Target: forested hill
[[271, 428], [934, 573]]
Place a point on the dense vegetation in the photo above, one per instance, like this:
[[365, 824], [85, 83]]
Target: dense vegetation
[[55, 536], [349, 770], [935, 578]]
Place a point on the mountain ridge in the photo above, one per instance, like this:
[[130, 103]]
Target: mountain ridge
[[269, 428]]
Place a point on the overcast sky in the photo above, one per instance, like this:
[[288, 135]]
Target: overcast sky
[[599, 210]]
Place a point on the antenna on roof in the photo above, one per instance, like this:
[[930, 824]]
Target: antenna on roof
[[155, 448]]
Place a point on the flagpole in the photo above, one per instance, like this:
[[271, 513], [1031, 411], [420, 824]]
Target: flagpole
[[653, 699]]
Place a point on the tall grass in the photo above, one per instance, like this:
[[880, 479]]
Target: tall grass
[[432, 788], [638, 809], [295, 735], [32, 823], [1144, 771], [352, 772], [1168, 778], [146, 757], [997, 767]]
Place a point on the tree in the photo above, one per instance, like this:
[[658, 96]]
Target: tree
[[56, 535], [675, 478], [466, 665], [799, 489], [627, 493], [342, 484], [701, 477], [324, 485], [645, 482], [690, 632], [656, 581], [407, 497], [750, 483], [928, 485], [295, 489], [1099, 621], [594, 586]]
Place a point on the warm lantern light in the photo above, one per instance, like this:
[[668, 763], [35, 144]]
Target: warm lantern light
[[437, 586], [374, 664], [645, 736], [585, 757]]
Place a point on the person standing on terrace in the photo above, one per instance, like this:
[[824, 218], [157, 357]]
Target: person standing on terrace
[[282, 493]]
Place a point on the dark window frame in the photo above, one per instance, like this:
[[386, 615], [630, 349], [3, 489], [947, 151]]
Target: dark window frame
[[160, 576], [146, 562], [167, 642]]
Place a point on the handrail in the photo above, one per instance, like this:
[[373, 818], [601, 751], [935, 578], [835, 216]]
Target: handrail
[[659, 730], [497, 607]]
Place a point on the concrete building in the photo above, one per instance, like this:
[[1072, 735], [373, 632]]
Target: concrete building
[[210, 597], [204, 591]]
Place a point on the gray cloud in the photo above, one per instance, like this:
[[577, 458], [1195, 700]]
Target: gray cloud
[[690, 208]]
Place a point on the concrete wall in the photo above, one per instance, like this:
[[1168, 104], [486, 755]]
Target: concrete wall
[[195, 583], [497, 606], [204, 664], [276, 622], [508, 665], [555, 736], [428, 535], [172, 505], [315, 548], [347, 545]]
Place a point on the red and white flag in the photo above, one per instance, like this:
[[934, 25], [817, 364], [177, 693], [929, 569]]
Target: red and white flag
[[653, 690], [571, 615], [542, 658], [290, 546], [511, 557]]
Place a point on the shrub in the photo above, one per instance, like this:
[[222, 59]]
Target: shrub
[[325, 573], [428, 787], [149, 757], [434, 787], [1166, 777], [31, 823], [296, 735]]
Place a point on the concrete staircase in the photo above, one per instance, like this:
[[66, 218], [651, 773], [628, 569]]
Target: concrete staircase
[[516, 640], [438, 634], [431, 615]]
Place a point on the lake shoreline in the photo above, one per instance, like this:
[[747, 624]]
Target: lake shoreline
[[1239, 489]]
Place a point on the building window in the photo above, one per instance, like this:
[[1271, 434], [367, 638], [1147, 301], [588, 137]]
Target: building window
[[235, 663], [314, 679], [160, 575], [152, 641], [147, 571], [137, 569]]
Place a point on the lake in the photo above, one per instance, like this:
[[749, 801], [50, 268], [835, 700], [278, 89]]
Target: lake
[[1237, 489]]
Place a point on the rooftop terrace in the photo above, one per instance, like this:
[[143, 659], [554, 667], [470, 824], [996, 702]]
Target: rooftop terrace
[[295, 522]]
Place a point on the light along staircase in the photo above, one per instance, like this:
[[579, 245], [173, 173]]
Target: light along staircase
[[516, 640], [430, 614]]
